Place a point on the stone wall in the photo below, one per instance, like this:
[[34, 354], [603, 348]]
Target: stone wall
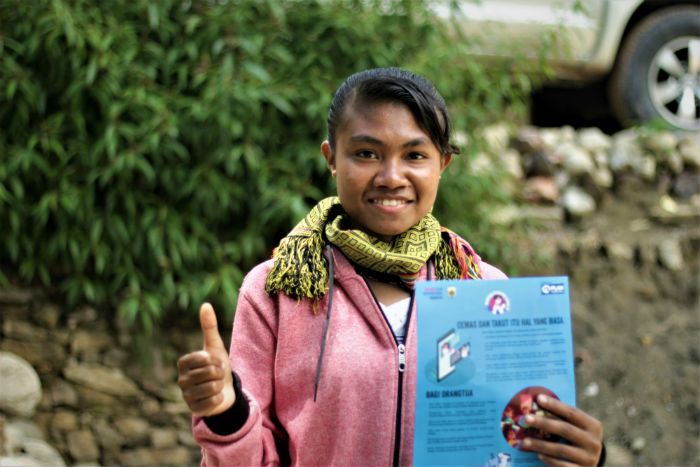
[[80, 390], [100, 401]]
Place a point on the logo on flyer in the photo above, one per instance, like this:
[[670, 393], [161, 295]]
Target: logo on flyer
[[497, 303], [549, 289], [451, 292]]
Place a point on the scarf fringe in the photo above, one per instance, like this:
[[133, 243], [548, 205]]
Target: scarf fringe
[[304, 271]]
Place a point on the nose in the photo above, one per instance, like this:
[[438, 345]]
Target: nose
[[390, 174]]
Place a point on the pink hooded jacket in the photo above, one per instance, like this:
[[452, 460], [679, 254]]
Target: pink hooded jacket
[[364, 410]]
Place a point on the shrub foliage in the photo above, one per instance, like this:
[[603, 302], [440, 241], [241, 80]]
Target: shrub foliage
[[152, 151]]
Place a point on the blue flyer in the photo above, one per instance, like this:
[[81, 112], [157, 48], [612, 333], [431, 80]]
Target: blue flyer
[[486, 349]]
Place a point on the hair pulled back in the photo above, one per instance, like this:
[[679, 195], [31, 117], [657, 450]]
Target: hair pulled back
[[394, 85]]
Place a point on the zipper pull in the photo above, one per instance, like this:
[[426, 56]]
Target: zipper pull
[[402, 358]]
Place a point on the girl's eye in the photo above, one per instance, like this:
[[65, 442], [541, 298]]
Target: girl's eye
[[415, 156], [366, 155]]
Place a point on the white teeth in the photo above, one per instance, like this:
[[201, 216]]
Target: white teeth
[[389, 202]]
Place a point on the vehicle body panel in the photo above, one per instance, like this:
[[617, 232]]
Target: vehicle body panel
[[585, 34]]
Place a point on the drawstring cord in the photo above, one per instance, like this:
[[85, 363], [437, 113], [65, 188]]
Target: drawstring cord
[[331, 279], [328, 318]]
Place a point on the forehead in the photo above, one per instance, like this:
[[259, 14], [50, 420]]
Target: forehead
[[384, 120]]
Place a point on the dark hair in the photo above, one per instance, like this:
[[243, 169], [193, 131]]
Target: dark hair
[[395, 85]]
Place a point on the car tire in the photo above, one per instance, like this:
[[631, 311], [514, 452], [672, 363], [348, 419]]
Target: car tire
[[657, 73]]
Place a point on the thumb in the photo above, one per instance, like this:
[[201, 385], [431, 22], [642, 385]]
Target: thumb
[[210, 329]]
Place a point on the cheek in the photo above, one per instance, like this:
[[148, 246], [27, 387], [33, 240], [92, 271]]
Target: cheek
[[350, 181], [429, 186]]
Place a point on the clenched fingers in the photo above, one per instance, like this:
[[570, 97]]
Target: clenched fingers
[[198, 359], [201, 376]]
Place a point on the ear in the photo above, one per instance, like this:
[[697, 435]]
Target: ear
[[445, 161], [329, 156]]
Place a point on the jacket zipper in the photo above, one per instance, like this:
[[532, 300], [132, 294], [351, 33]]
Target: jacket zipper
[[401, 366]]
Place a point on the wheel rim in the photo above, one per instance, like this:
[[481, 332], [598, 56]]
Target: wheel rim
[[674, 82]]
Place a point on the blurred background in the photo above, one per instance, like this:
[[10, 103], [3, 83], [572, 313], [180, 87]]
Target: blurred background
[[152, 152]]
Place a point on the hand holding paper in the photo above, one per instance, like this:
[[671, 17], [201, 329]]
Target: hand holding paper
[[583, 433]]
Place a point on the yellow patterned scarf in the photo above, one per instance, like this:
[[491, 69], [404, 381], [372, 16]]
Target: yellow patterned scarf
[[300, 269]]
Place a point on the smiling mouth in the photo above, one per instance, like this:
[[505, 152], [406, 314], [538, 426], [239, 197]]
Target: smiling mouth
[[389, 202]]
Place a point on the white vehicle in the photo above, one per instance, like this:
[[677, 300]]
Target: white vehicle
[[646, 51]]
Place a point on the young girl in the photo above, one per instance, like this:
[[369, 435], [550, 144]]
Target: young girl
[[321, 369]]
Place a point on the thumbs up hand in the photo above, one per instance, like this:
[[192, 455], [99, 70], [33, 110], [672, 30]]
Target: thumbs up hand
[[205, 375]]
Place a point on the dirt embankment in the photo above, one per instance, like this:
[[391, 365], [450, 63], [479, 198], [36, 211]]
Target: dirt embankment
[[636, 325]]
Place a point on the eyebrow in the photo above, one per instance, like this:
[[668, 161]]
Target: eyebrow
[[372, 140]]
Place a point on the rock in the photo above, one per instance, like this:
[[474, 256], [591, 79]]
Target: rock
[[670, 254], [44, 356], [625, 149], [176, 408], [82, 446], [90, 342], [577, 202], [21, 385], [674, 161], [481, 164], [146, 456], [496, 136], [512, 163], [150, 407], [134, 430], [647, 253], [602, 177], [63, 393], [528, 140], [638, 443], [163, 438], [591, 390], [174, 456], [108, 435], [600, 158], [100, 378], [15, 296], [617, 455], [25, 439], [64, 421], [85, 315], [115, 357], [593, 140], [537, 164], [663, 141], [540, 189], [550, 138], [15, 434], [645, 166], [22, 330], [44, 453], [576, 161], [689, 149], [686, 185], [553, 137], [96, 400], [19, 429], [138, 457], [619, 251], [185, 437], [460, 138], [19, 461], [48, 315]]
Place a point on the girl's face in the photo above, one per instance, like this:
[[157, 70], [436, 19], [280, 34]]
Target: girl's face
[[387, 168]]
